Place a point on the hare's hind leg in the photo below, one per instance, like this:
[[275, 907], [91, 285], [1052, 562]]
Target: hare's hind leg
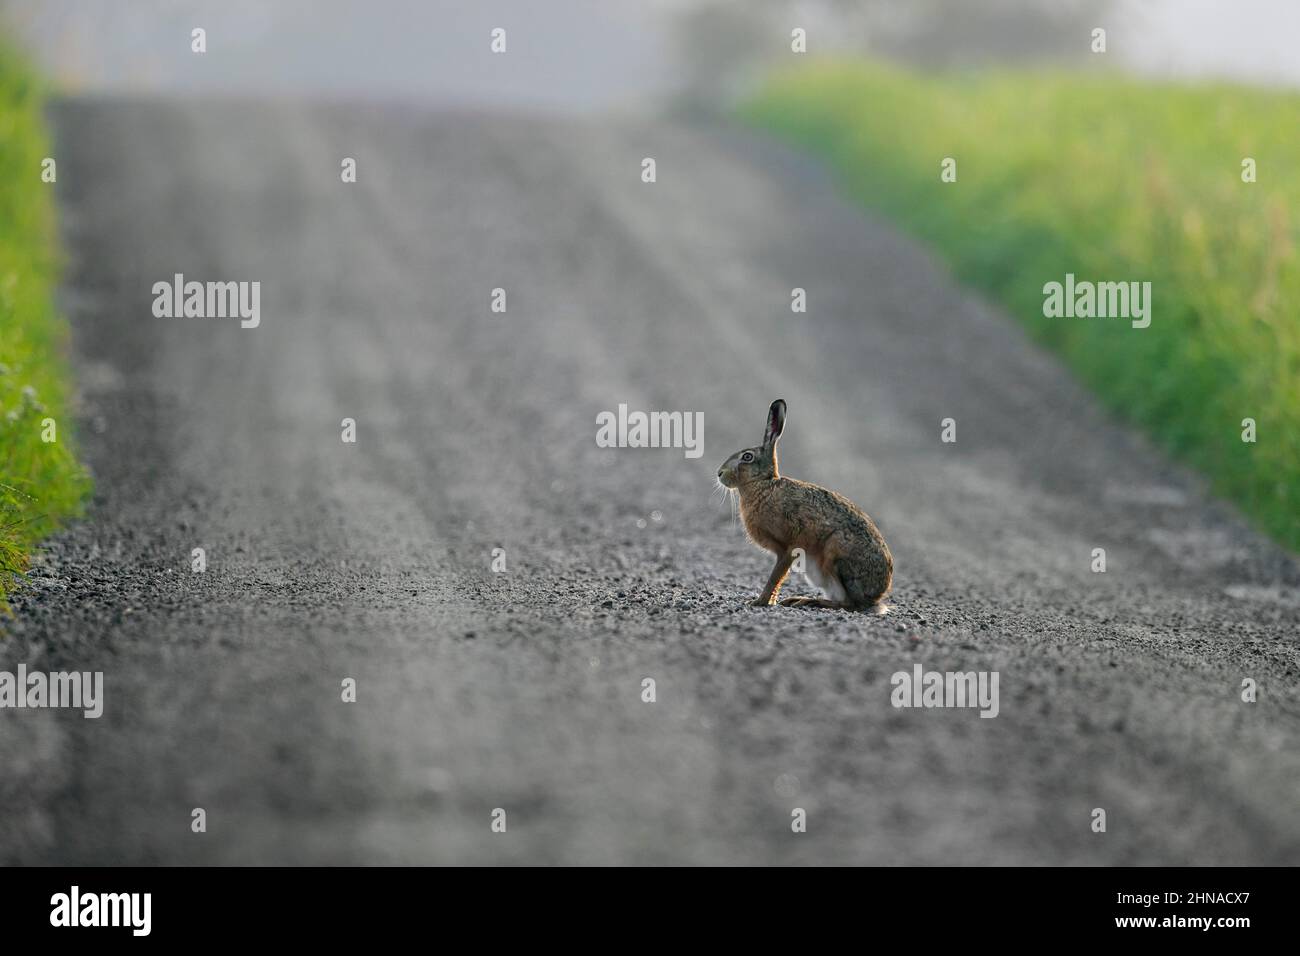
[[815, 602], [862, 594]]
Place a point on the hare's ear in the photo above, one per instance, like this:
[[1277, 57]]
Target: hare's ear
[[775, 423]]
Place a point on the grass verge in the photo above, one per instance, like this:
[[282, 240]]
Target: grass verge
[[41, 482], [1111, 179]]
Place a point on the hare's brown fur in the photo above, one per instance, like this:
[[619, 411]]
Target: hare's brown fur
[[842, 546]]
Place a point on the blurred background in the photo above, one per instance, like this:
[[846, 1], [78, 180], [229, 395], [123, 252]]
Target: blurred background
[[1128, 163], [1124, 165]]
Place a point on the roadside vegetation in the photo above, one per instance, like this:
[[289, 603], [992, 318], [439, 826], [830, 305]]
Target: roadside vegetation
[[41, 482], [1110, 179]]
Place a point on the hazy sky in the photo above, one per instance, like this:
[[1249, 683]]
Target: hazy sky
[[1247, 39], [568, 54]]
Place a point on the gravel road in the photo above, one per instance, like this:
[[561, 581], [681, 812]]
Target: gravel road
[[522, 690]]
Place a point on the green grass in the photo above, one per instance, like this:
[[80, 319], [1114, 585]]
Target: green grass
[[41, 482], [1112, 179]]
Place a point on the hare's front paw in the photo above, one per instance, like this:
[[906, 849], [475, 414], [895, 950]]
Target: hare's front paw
[[759, 602]]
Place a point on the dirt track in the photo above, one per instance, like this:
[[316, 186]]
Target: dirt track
[[476, 431]]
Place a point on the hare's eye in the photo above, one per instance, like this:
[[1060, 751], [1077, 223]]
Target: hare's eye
[[747, 456]]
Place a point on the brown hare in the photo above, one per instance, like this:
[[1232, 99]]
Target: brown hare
[[845, 554]]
